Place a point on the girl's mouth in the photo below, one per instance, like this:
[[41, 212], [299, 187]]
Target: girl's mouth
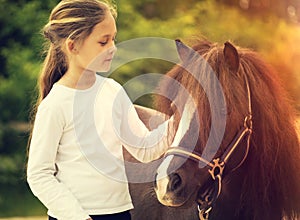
[[108, 60]]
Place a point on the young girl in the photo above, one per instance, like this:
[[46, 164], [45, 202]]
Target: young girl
[[83, 120]]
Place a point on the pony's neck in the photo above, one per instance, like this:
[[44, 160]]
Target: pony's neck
[[230, 206]]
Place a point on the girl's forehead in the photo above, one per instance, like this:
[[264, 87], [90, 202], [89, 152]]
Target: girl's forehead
[[107, 27]]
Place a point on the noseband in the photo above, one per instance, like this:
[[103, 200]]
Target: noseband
[[217, 165]]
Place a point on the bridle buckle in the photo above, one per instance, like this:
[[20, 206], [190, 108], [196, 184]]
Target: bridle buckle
[[204, 214], [217, 168]]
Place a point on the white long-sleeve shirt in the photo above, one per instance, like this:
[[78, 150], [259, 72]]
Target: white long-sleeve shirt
[[76, 165]]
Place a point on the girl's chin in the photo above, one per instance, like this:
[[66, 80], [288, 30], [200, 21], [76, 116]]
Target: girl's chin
[[101, 69], [105, 67]]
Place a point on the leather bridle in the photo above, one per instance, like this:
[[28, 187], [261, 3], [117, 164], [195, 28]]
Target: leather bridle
[[217, 165]]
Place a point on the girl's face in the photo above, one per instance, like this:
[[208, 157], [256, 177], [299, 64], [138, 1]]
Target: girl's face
[[97, 50]]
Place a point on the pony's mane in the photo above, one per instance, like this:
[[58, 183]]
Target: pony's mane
[[271, 181]]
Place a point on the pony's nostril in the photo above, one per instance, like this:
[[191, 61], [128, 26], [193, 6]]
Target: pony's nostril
[[175, 182]]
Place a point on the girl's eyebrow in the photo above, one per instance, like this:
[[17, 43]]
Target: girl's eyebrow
[[109, 35]]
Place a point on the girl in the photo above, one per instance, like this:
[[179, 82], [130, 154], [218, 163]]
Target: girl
[[82, 120]]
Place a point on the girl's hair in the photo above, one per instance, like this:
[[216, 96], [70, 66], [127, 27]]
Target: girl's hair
[[70, 19]]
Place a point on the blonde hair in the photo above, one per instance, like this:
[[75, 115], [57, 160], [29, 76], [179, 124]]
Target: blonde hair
[[70, 19]]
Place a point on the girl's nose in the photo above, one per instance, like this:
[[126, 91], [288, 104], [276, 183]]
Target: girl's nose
[[113, 49]]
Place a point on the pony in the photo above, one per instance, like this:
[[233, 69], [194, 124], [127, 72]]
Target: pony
[[236, 155]]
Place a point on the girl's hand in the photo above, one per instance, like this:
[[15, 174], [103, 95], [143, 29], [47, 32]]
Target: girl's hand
[[89, 219]]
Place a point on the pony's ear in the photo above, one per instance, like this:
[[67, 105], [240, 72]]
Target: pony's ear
[[232, 58], [183, 50]]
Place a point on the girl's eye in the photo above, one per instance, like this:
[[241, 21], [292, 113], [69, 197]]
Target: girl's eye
[[103, 43]]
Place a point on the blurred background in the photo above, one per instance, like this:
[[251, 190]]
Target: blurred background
[[271, 27]]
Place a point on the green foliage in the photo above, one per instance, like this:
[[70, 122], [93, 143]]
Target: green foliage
[[12, 155], [20, 55], [17, 200]]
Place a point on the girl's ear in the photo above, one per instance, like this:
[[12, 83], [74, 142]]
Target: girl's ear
[[231, 56], [71, 47]]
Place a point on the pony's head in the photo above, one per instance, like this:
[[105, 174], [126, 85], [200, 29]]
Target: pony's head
[[236, 147]]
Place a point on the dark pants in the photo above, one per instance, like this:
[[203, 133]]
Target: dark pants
[[117, 216]]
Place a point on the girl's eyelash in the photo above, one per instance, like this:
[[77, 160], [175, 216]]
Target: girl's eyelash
[[104, 43]]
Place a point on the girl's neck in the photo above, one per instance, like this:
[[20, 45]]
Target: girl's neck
[[78, 80]]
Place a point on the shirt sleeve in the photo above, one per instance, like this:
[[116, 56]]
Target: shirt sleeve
[[141, 143], [47, 131]]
